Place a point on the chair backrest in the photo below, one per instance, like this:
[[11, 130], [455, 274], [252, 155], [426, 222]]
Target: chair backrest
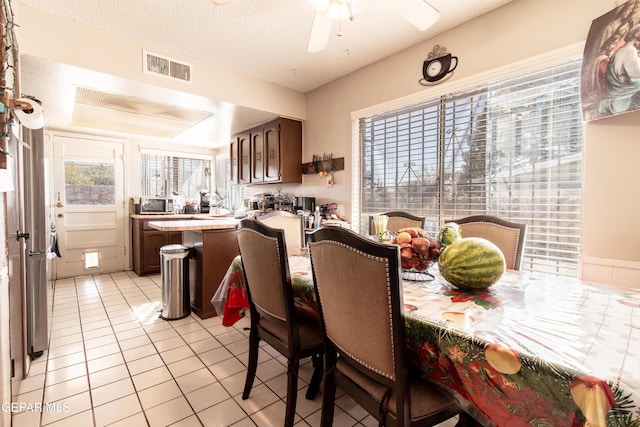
[[398, 220], [508, 236], [264, 261], [359, 294], [290, 223]]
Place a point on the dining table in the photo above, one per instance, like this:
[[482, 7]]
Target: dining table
[[533, 349]]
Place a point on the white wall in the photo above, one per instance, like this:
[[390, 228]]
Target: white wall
[[511, 34]]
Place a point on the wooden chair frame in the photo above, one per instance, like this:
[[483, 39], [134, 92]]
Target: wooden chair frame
[[294, 348], [403, 219], [339, 360]]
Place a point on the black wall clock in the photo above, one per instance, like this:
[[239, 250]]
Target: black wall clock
[[438, 65]]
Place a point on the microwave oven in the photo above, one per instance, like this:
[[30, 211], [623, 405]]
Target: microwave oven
[[154, 205]]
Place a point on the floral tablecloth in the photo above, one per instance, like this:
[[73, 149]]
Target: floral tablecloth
[[231, 297], [532, 350]]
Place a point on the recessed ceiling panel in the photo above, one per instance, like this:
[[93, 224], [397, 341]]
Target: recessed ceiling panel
[[123, 113]]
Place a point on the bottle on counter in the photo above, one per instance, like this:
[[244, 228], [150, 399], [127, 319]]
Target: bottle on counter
[[317, 219]]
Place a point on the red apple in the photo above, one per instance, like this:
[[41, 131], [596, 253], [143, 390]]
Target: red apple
[[406, 253], [412, 232], [420, 245]]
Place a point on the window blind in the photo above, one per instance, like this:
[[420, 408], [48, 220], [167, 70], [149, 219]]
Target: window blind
[[164, 176], [511, 148]]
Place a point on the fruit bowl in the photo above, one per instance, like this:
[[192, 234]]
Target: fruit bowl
[[418, 251], [417, 269]]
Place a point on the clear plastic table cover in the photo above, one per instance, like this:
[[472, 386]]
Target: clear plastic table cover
[[531, 350]]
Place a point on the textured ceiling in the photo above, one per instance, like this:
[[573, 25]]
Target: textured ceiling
[[266, 39]]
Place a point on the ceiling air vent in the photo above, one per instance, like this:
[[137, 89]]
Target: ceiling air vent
[[165, 66]]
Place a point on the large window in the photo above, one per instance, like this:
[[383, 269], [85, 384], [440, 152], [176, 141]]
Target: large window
[[166, 176], [512, 148]]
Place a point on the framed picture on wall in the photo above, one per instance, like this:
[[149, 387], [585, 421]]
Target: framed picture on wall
[[610, 80]]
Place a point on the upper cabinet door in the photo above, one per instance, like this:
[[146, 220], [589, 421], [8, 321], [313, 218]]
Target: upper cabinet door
[[244, 156], [272, 152], [269, 153], [233, 159], [257, 156]]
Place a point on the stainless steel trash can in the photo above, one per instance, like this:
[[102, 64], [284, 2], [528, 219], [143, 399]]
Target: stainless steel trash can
[[174, 272]]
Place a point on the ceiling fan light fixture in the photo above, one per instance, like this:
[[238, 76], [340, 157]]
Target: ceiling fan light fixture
[[338, 9], [418, 12], [321, 5]]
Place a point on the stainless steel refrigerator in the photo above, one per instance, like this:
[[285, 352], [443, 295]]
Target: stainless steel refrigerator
[[37, 239]]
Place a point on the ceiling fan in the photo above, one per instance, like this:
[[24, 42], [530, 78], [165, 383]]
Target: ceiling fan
[[418, 12]]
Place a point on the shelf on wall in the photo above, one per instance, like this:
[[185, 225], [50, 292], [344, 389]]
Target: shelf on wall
[[330, 165]]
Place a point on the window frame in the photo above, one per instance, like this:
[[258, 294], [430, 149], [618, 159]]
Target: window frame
[[464, 85]]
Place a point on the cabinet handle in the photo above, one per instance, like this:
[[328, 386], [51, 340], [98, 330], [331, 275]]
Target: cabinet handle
[[245, 159], [258, 156], [272, 153]]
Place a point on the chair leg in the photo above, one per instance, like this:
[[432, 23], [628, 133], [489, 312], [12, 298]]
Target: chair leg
[[316, 378], [254, 341], [292, 391], [328, 398], [466, 420]]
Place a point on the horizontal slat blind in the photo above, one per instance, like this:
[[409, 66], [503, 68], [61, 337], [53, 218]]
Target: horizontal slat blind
[[512, 149], [163, 176]]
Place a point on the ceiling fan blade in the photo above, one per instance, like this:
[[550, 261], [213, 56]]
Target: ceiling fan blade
[[320, 32], [418, 12]]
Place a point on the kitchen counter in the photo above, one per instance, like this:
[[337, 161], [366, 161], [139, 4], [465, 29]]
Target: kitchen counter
[[199, 224], [159, 217], [214, 245]]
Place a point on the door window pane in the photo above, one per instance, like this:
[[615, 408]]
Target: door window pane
[[89, 183]]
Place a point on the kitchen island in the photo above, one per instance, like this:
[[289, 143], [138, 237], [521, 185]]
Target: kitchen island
[[214, 246]]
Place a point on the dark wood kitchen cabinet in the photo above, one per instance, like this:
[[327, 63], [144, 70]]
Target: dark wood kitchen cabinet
[[274, 153], [244, 157], [146, 244], [234, 159], [213, 253]]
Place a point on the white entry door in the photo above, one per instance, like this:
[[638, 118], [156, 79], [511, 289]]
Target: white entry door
[[89, 205]]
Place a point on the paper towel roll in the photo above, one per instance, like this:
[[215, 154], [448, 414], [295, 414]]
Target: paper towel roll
[[31, 118]]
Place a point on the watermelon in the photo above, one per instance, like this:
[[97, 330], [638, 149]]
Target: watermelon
[[449, 233], [471, 263]]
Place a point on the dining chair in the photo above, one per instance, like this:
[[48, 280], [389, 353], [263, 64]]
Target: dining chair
[[359, 293], [272, 311], [398, 220], [292, 225], [509, 236]]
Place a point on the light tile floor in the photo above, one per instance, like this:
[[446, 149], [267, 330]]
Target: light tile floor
[[113, 362]]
